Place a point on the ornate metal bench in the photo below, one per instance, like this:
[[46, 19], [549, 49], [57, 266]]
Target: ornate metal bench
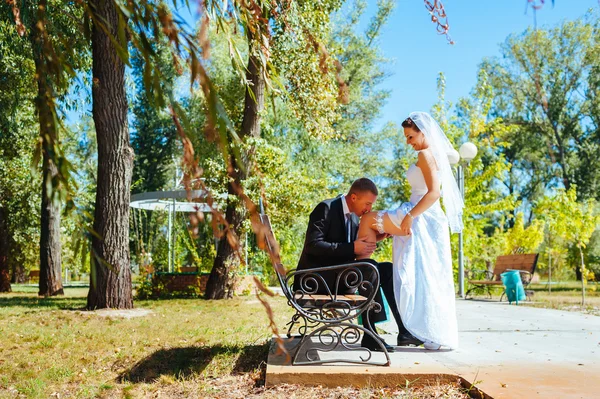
[[524, 263], [327, 320]]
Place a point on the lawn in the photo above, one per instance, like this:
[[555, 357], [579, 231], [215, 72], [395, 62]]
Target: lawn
[[563, 296], [183, 348]]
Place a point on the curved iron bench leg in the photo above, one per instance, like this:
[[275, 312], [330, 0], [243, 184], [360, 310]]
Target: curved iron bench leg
[[330, 340]]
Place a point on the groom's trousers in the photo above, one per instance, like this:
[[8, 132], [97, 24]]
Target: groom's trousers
[[386, 281]]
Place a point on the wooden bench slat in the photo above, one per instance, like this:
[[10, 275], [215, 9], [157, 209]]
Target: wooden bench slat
[[356, 298], [517, 260], [485, 282], [522, 266], [319, 299]]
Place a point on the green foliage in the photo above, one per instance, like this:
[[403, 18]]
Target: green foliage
[[20, 185], [80, 147], [157, 288], [153, 134], [565, 218], [547, 87], [302, 156], [19, 189], [305, 68], [521, 239]]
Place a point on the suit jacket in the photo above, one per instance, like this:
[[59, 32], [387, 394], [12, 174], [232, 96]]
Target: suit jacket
[[326, 241]]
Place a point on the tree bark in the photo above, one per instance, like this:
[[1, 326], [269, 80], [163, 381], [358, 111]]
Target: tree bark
[[110, 277], [4, 268], [561, 152], [583, 276], [18, 273], [50, 246], [220, 283]]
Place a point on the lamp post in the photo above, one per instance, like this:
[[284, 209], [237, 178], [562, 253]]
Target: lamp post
[[467, 152]]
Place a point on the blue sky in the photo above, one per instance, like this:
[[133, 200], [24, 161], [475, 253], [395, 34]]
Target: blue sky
[[477, 27]]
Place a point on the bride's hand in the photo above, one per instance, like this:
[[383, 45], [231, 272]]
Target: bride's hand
[[406, 225]]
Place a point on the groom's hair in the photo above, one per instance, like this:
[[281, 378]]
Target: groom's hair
[[362, 185]]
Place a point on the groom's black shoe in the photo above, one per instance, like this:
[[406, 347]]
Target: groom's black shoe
[[407, 339], [370, 343]]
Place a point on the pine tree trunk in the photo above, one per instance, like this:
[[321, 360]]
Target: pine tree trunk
[[4, 268], [110, 277], [219, 284], [50, 246]]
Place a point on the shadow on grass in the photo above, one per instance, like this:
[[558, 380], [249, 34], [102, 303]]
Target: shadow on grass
[[183, 362], [61, 303]]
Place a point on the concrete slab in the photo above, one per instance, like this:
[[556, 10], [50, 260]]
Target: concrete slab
[[507, 351]]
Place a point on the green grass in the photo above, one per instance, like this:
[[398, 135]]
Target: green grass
[[563, 296], [51, 347]]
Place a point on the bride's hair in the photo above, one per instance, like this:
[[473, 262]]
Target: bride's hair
[[409, 123]]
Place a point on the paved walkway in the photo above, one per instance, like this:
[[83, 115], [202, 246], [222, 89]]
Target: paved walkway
[[507, 351]]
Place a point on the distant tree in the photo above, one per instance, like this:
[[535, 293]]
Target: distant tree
[[547, 85], [153, 136], [572, 220], [301, 30], [4, 253], [18, 212], [50, 245], [154, 142], [46, 36]]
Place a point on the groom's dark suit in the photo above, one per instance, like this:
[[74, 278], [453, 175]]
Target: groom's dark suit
[[327, 244]]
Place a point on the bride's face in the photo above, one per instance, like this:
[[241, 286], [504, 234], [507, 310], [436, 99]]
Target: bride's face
[[415, 139]]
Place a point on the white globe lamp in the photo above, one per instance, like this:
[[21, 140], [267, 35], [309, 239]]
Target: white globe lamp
[[468, 151], [453, 157]]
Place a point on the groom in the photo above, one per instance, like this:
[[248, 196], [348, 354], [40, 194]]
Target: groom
[[331, 240]]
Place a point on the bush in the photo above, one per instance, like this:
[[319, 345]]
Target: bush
[[156, 288]]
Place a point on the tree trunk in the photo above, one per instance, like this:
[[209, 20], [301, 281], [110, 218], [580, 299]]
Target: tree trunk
[[549, 272], [110, 277], [583, 277], [4, 268], [18, 273], [219, 284], [50, 246], [561, 152], [578, 275]]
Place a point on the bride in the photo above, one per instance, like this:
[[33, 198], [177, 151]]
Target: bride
[[423, 282]]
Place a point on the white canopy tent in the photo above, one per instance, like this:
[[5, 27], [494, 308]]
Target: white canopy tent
[[171, 201]]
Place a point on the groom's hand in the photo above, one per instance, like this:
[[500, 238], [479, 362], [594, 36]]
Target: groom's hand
[[364, 248]]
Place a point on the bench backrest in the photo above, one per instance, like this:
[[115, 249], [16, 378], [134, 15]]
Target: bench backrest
[[266, 238], [526, 262]]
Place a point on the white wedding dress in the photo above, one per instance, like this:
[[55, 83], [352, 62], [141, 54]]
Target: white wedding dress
[[423, 281]]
